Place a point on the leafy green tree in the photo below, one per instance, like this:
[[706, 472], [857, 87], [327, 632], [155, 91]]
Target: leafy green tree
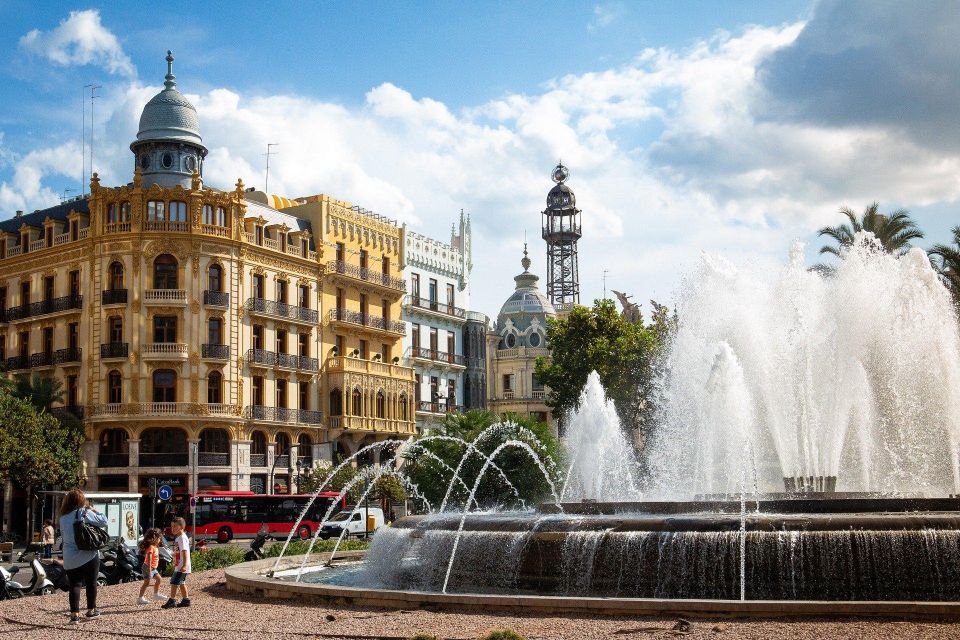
[[893, 231], [432, 472], [946, 260], [626, 355]]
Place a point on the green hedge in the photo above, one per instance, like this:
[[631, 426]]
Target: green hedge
[[503, 634], [299, 547]]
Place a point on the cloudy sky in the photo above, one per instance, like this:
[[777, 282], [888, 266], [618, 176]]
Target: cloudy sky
[[734, 128]]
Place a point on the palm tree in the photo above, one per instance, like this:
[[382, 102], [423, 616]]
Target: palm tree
[[893, 231], [946, 260], [42, 392]]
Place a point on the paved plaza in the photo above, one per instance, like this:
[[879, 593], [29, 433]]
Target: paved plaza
[[217, 614]]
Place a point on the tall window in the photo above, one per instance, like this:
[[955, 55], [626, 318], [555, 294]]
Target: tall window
[[178, 211], [403, 407], [282, 291], [165, 329], [257, 384], [281, 341], [364, 350], [116, 329], [74, 283], [116, 275], [364, 259], [24, 293], [258, 336], [303, 296], [341, 252], [3, 347], [215, 331], [156, 211], [164, 386], [48, 288], [450, 298], [434, 388], [115, 387], [73, 335], [208, 214], [303, 345], [336, 402], [415, 337], [48, 340], [23, 340], [165, 272], [434, 342], [451, 345], [338, 342], [385, 352], [364, 306], [258, 286], [385, 265], [415, 287], [451, 393], [214, 217], [432, 293], [72, 391], [357, 402], [215, 278], [282, 447], [220, 217], [214, 388], [304, 395], [507, 382], [385, 307], [281, 393], [340, 300], [258, 234], [416, 387], [381, 405]]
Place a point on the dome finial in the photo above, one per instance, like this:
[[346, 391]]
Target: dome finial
[[525, 263], [560, 173], [171, 80]]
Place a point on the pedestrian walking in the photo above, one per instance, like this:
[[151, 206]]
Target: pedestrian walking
[[82, 566], [48, 536]]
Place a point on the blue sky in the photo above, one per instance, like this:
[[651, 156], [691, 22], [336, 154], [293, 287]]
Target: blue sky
[[727, 127]]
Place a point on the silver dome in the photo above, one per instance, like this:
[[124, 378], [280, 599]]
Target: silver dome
[[527, 301], [169, 115]]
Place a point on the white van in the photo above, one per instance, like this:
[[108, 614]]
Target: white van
[[359, 522]]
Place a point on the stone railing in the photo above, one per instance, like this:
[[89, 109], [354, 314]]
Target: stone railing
[[117, 227], [37, 245], [166, 225], [215, 230], [356, 365], [165, 296], [165, 348], [164, 409]]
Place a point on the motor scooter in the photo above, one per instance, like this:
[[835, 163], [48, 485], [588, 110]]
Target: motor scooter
[[39, 584], [118, 563], [9, 588]]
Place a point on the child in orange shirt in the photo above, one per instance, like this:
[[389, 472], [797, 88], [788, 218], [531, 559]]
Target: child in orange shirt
[[151, 557]]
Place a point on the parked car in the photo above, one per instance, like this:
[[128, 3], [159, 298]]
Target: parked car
[[360, 522]]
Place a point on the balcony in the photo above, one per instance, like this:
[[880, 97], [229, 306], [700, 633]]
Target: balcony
[[215, 230], [282, 461], [306, 416], [43, 359], [113, 460], [215, 351], [17, 363], [117, 227], [377, 323], [216, 298], [416, 303], [281, 360], [114, 350], [343, 364], [424, 406], [167, 349], [270, 414], [52, 358], [166, 225], [273, 309], [422, 353], [164, 459], [213, 459], [258, 459], [45, 307], [357, 272], [523, 352], [113, 296], [162, 409], [165, 296], [367, 423]]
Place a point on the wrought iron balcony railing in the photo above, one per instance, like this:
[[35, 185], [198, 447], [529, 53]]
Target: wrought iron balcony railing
[[51, 358], [283, 360], [368, 275], [113, 296], [44, 307], [215, 351], [282, 310], [213, 459], [437, 356], [258, 459], [433, 305], [114, 350], [216, 298], [367, 320], [15, 363]]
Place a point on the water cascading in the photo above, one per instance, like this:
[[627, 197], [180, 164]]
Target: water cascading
[[858, 371]]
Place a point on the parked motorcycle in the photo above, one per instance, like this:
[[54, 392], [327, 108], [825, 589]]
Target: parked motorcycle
[[9, 588], [57, 575], [119, 563], [39, 584], [256, 547]]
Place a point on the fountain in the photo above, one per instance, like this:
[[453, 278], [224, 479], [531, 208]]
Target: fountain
[[806, 450]]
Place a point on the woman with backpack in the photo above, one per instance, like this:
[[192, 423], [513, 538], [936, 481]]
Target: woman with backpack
[[81, 563]]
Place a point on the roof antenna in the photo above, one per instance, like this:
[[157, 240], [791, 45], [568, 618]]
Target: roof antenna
[[266, 182]]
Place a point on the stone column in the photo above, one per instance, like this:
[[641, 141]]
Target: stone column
[[241, 464], [133, 449]]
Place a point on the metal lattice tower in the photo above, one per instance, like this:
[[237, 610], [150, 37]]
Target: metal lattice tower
[[561, 230]]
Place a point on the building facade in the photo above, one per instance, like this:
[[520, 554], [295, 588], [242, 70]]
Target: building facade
[[435, 311], [265, 331], [513, 345]]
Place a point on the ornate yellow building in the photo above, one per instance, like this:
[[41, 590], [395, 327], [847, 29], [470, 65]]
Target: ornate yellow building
[[261, 329]]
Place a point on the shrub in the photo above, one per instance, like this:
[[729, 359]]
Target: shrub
[[213, 558], [424, 636], [503, 634], [299, 547]]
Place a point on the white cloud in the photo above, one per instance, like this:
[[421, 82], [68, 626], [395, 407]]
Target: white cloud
[[81, 39], [603, 16], [708, 171]]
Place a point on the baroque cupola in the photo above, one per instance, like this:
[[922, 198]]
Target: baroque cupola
[[168, 148]]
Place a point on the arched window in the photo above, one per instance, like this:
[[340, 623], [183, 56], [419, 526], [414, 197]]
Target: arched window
[[165, 272], [156, 211], [214, 441], [258, 443], [115, 387], [215, 278], [214, 388], [164, 385], [114, 442], [357, 402], [403, 406], [178, 211], [305, 450], [113, 213], [163, 446], [116, 276], [381, 405], [220, 219], [282, 447], [124, 212], [336, 402]]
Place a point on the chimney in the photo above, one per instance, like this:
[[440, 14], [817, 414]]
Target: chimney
[[19, 212]]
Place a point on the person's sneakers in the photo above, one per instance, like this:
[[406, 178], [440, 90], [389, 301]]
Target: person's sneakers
[[184, 603], [169, 604], [142, 600], [93, 613], [159, 598], [74, 618]]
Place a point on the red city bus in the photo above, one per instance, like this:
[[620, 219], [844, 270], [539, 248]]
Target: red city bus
[[240, 514]]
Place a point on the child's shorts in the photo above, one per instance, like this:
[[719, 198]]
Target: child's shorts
[[178, 578], [148, 573]]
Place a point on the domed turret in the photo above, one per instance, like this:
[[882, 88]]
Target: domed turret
[[522, 318], [169, 148]]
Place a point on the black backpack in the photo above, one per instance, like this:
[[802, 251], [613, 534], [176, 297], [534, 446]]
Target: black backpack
[[89, 537]]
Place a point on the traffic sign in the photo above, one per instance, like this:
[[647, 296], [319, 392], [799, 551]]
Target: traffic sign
[[165, 492], [193, 503]]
